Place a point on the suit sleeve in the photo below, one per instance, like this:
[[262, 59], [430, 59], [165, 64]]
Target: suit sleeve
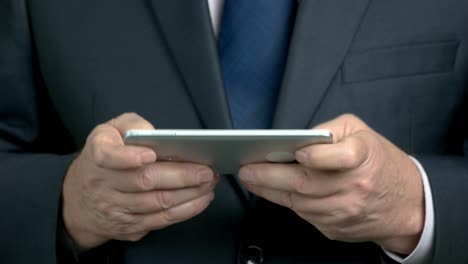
[[35, 150], [448, 176]]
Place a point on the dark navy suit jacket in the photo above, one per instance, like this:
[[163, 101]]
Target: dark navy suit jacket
[[66, 66]]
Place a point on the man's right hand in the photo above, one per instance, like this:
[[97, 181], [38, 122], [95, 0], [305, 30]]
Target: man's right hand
[[118, 192]]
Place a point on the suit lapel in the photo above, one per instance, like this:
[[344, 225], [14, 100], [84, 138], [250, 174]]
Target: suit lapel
[[188, 31], [323, 32]]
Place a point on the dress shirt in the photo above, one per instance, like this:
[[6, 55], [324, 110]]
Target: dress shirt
[[423, 250]]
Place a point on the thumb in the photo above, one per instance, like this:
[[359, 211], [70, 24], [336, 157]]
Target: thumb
[[105, 145], [343, 126], [349, 150], [128, 121]]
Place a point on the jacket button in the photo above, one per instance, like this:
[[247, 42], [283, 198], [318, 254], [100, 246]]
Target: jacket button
[[252, 255]]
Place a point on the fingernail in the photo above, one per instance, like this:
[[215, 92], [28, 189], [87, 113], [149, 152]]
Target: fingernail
[[246, 174], [205, 176], [148, 156], [301, 157]]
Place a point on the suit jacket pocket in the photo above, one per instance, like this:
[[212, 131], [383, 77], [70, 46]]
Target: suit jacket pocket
[[400, 61]]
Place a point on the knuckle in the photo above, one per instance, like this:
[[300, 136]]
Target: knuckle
[[133, 114], [168, 216], [104, 208], [101, 135], [350, 157], [97, 131], [365, 186], [129, 115], [96, 149], [132, 118], [349, 117], [98, 156], [337, 233], [122, 230], [124, 224], [196, 175], [92, 182], [146, 179], [298, 182], [353, 212], [164, 200], [119, 217], [135, 237], [287, 200], [331, 235]]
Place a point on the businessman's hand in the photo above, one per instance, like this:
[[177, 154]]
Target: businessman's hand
[[361, 188], [118, 192]]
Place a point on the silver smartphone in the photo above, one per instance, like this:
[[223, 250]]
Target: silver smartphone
[[227, 150]]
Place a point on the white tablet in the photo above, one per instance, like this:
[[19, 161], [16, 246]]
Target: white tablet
[[227, 150]]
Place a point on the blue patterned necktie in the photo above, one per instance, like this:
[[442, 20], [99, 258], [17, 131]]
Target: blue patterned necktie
[[253, 47]]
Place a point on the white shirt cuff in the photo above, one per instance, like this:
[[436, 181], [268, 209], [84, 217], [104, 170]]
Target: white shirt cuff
[[422, 252]]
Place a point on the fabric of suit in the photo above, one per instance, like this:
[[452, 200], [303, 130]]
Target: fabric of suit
[[66, 66]]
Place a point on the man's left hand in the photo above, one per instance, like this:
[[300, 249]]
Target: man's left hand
[[361, 188]]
